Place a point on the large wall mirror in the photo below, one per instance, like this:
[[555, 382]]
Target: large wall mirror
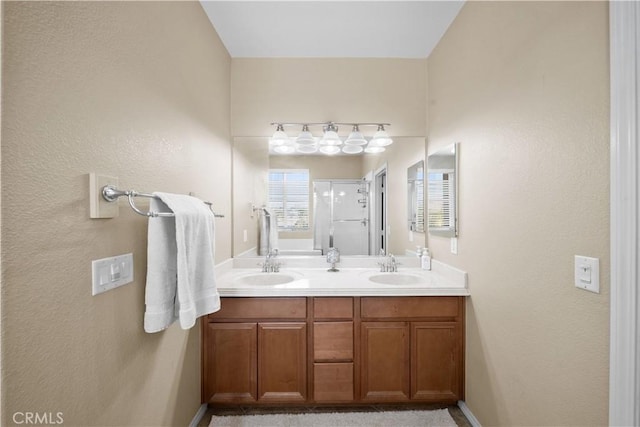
[[369, 196], [415, 197], [442, 178]]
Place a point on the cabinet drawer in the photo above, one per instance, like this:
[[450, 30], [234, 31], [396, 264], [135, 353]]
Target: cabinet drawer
[[261, 308], [332, 382], [409, 307], [333, 308], [333, 341]]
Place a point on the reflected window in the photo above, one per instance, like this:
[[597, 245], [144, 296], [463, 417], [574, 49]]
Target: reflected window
[[289, 198], [441, 201]]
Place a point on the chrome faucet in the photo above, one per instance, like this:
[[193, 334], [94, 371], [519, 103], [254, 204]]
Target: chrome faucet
[[390, 266], [333, 256], [393, 266], [270, 265]]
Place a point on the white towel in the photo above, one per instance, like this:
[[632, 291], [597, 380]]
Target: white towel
[[268, 232], [273, 232], [160, 292], [180, 274]]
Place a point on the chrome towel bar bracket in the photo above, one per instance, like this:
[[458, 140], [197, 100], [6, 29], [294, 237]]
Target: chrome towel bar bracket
[[110, 193]]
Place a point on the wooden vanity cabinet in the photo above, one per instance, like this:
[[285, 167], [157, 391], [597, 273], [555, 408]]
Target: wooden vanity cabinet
[[334, 350], [385, 373], [255, 351], [412, 349]]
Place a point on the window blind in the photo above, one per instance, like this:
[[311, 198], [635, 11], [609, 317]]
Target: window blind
[[441, 207], [289, 198]]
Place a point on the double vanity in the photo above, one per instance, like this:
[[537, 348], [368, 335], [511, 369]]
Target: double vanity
[[302, 335]]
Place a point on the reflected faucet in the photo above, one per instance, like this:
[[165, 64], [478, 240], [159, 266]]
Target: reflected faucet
[[270, 265], [390, 266], [333, 256]]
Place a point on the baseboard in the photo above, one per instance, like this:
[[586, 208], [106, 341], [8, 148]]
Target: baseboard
[[198, 416], [467, 413]]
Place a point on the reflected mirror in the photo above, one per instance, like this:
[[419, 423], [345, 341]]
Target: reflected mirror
[[415, 197], [442, 191]]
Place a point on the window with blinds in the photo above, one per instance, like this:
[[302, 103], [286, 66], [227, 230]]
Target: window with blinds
[[289, 198], [441, 208]]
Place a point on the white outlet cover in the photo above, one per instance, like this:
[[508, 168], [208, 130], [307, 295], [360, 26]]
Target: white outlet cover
[[454, 245]]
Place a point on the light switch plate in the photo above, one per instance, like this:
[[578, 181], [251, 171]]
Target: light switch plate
[[98, 206], [587, 273], [109, 273]]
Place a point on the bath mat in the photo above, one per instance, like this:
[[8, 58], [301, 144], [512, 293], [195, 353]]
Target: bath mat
[[435, 418]]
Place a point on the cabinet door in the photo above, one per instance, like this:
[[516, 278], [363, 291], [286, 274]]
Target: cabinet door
[[435, 361], [385, 361], [230, 362], [282, 362]]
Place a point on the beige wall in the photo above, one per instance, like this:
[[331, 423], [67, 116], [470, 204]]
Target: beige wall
[[250, 185], [316, 90], [524, 88], [139, 90]]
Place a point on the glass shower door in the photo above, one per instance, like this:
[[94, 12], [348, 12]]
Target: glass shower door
[[342, 216]]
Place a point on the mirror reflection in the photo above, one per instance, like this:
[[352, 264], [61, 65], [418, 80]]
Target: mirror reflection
[[351, 202], [415, 196], [442, 193]]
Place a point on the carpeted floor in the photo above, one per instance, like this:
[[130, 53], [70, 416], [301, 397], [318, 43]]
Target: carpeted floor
[[375, 410], [435, 418]]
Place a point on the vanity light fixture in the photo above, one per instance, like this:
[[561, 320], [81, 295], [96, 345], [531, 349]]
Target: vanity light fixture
[[330, 142], [306, 149], [381, 137], [279, 137], [352, 149], [330, 136], [305, 137], [285, 149], [355, 137], [329, 149], [374, 149]]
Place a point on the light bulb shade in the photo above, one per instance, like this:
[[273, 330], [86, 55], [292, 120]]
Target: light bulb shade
[[284, 149], [279, 137], [331, 137], [374, 149], [381, 138], [305, 138], [287, 148], [306, 148], [355, 138], [352, 149], [329, 149]]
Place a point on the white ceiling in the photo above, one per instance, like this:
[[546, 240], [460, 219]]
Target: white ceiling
[[333, 29]]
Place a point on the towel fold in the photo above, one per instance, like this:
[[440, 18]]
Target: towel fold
[[180, 263], [268, 232]]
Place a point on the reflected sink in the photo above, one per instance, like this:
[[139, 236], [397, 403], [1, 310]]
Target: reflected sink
[[265, 279], [397, 279]]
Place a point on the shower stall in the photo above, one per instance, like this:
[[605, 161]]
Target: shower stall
[[341, 216]]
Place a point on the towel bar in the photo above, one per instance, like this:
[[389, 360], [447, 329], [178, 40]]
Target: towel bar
[[111, 194], [262, 210]]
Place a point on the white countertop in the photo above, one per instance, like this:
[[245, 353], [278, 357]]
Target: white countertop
[[307, 276]]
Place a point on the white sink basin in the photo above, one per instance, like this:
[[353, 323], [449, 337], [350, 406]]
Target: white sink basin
[[265, 279], [397, 279]]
